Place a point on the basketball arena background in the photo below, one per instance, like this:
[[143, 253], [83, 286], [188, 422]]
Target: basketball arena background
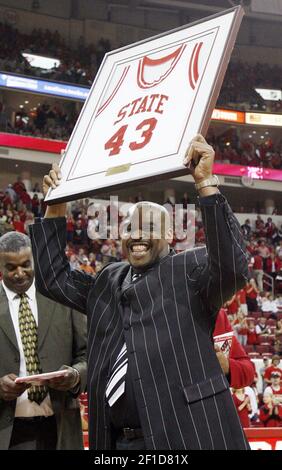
[[49, 55]]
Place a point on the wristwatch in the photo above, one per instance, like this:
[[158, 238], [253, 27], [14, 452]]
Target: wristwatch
[[212, 181]]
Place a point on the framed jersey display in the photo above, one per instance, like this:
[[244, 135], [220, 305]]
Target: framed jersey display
[[148, 101]]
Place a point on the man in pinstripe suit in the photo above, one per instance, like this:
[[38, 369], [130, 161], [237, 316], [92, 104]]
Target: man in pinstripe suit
[[157, 313]]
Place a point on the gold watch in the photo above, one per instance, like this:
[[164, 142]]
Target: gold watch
[[212, 181]]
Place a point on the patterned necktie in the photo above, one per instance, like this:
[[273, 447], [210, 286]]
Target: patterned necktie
[[116, 385], [28, 331]]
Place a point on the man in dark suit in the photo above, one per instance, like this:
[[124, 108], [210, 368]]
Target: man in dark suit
[[37, 335], [154, 381]]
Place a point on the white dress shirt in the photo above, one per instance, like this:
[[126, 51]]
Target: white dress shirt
[[25, 407]]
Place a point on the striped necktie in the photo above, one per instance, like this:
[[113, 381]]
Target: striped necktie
[[29, 337], [116, 385]]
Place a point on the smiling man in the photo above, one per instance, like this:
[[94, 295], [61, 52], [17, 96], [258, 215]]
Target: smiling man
[[154, 381], [146, 235], [37, 335]]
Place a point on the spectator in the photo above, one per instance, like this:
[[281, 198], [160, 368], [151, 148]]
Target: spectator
[[246, 229], [274, 367], [275, 387], [74, 263], [262, 328], [258, 270], [241, 327], [232, 306], [262, 371], [263, 251], [251, 295], [252, 337], [278, 328], [242, 301], [70, 227], [273, 264], [243, 406], [235, 364], [35, 205], [252, 393], [36, 188], [79, 234], [85, 266], [271, 412], [18, 224], [268, 304]]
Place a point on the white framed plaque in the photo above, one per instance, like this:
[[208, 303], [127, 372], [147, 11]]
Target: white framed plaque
[[148, 101]]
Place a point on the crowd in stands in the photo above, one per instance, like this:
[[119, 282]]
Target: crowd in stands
[[45, 120], [78, 65], [57, 120], [232, 149], [262, 409], [241, 80]]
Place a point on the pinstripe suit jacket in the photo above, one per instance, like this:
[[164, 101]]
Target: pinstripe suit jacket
[[182, 397]]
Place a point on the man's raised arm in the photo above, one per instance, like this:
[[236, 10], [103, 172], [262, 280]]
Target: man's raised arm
[[53, 275], [224, 271]]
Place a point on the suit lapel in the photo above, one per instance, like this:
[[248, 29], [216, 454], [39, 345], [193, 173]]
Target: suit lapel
[[126, 281], [6, 322], [46, 310]]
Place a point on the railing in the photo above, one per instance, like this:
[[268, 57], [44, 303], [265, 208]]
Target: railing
[[269, 281]]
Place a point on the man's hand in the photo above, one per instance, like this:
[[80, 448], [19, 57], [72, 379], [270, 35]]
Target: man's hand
[[67, 382], [52, 180], [223, 360], [199, 158], [9, 390]]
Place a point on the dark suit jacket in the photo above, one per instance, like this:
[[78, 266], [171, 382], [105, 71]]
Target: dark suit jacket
[[182, 397], [61, 340]]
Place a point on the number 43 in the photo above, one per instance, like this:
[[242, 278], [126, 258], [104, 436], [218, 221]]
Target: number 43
[[116, 141]]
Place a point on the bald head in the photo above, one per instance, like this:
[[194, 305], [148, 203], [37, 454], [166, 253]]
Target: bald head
[[146, 216], [147, 233]]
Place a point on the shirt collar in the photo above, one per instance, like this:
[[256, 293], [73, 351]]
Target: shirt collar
[[13, 295]]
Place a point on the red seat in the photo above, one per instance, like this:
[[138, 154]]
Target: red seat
[[249, 348], [256, 314], [266, 314], [262, 348], [254, 355], [268, 354], [279, 316], [263, 339], [271, 338], [271, 322]]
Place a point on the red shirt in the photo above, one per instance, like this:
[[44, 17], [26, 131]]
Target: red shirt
[[233, 307], [241, 368], [258, 262], [252, 336], [270, 420], [252, 294], [244, 413], [276, 264], [276, 392], [268, 371], [241, 294], [19, 226]]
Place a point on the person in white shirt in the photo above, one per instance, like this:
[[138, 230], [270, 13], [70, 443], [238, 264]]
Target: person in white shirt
[[275, 388], [36, 336], [262, 328]]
